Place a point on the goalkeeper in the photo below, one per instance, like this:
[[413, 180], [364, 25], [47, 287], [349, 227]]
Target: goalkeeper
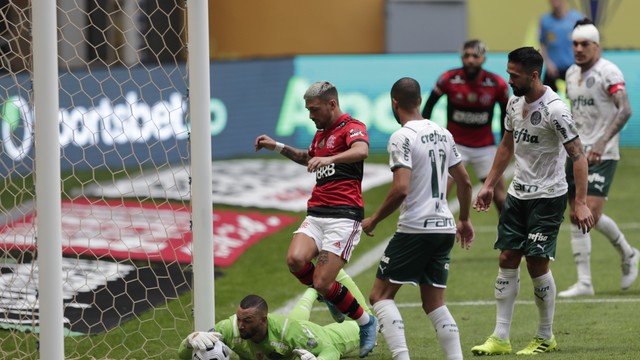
[[253, 333]]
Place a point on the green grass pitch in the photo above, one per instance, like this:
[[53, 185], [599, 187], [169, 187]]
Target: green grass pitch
[[605, 326]]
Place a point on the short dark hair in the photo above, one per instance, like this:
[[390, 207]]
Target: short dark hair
[[254, 301], [406, 92], [528, 57], [583, 21]]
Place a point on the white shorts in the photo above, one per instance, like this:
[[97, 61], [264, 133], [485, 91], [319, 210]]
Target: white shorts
[[337, 236], [481, 159]]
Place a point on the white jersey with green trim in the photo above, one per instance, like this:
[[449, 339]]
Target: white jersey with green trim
[[428, 150], [540, 130], [592, 105]]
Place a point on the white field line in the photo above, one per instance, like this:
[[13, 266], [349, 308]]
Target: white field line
[[519, 302]]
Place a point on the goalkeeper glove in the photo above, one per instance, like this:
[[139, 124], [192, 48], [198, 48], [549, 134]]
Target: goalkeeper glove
[[202, 340], [304, 354]]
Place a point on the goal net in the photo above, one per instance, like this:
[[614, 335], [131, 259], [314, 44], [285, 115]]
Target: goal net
[[123, 110]]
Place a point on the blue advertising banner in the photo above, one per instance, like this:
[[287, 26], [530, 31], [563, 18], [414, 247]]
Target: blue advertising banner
[[139, 117]]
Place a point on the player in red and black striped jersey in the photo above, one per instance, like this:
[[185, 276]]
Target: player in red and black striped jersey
[[472, 94], [332, 228], [338, 190]]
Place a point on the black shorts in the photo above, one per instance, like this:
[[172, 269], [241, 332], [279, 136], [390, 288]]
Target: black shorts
[[417, 259], [600, 178], [531, 225]]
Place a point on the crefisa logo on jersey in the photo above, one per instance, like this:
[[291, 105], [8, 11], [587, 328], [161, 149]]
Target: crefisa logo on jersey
[[536, 118]]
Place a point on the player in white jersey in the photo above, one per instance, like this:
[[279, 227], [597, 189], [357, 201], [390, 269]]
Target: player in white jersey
[[600, 107], [539, 129], [422, 155]]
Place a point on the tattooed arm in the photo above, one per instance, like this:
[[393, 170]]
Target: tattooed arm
[[623, 113], [297, 155], [581, 215]]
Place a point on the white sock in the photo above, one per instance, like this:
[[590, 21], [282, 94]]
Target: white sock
[[610, 229], [447, 332], [392, 328], [506, 290], [544, 288], [364, 319], [581, 247]]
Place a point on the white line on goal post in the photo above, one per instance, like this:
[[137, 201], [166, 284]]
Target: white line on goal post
[[201, 184], [48, 188]]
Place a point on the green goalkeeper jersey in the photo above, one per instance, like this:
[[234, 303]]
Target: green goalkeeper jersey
[[284, 334]]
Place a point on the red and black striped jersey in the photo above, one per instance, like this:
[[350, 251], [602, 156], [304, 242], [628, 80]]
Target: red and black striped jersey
[[338, 189], [470, 105]]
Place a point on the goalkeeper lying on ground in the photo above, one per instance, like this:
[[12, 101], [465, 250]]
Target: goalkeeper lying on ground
[[253, 333]]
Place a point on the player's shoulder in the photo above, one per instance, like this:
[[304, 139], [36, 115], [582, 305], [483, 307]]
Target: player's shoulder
[[347, 119], [574, 14], [427, 126], [492, 79], [451, 75], [348, 124], [514, 101], [554, 102], [607, 66], [573, 70]]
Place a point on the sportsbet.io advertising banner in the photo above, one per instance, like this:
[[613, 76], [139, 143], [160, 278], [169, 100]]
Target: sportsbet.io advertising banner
[[127, 117]]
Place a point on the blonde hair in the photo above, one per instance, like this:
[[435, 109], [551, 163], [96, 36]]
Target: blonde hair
[[322, 90]]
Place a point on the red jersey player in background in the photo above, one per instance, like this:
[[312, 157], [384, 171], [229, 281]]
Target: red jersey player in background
[[332, 227], [472, 94]]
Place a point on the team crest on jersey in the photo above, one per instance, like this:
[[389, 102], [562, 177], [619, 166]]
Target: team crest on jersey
[[472, 97], [485, 99], [590, 81], [536, 118], [331, 142]]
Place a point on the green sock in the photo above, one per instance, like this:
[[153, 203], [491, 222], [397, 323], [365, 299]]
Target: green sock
[[347, 281], [302, 309]]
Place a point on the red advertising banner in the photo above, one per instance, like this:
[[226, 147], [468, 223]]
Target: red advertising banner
[[141, 231]]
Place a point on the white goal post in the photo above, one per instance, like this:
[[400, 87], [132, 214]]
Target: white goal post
[[92, 277]]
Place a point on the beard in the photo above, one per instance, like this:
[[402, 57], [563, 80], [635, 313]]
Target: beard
[[520, 91]]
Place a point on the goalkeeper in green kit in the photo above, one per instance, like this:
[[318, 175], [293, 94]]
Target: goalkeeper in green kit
[[253, 333]]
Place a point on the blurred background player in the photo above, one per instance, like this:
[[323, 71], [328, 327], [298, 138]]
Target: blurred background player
[[253, 333], [540, 133], [600, 107], [332, 227], [418, 252], [555, 41], [472, 94]]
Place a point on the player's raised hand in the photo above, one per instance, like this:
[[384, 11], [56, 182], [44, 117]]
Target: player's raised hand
[[304, 354], [202, 340], [263, 141]]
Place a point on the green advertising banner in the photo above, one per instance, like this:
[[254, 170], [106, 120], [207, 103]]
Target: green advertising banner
[[364, 81]]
